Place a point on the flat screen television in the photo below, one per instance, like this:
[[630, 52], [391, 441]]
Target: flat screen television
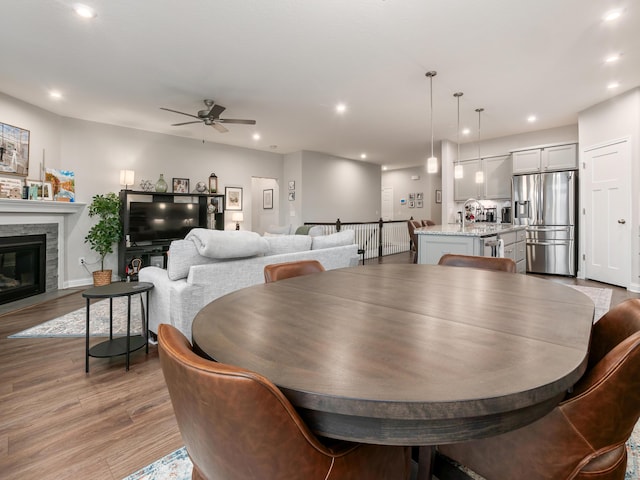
[[153, 221]]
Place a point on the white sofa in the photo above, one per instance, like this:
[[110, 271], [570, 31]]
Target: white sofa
[[209, 263]]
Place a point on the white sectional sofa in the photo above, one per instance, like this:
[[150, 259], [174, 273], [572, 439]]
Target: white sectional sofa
[[210, 263]]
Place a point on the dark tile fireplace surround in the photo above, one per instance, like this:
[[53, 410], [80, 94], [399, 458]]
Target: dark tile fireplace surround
[[28, 260]]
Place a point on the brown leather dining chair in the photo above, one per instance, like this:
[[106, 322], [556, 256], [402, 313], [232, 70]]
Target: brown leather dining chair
[[427, 223], [584, 436], [280, 271], [472, 261], [237, 425], [412, 225]]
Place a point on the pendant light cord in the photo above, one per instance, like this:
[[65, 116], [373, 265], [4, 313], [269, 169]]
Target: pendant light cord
[[431, 75]]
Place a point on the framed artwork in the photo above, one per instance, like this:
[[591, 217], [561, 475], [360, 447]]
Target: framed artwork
[[180, 185], [14, 150], [419, 204], [267, 199], [412, 196], [438, 196], [419, 196], [11, 187], [292, 196], [63, 182], [292, 185], [42, 190], [412, 203], [233, 198]]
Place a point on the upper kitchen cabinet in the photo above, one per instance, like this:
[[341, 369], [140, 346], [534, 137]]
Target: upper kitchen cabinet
[[547, 159], [496, 182]]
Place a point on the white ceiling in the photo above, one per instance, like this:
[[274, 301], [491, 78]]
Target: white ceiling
[[287, 63]]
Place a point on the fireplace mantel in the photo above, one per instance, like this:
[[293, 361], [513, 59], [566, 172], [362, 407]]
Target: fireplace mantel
[[8, 205]]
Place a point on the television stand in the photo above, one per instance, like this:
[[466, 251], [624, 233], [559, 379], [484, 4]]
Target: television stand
[[154, 252]]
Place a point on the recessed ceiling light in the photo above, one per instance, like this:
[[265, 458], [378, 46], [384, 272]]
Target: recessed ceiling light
[[531, 118], [341, 108], [384, 167], [256, 136], [612, 58], [55, 94], [613, 85], [466, 131], [84, 11], [363, 156], [612, 15]]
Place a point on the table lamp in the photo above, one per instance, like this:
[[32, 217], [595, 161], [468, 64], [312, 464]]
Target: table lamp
[[127, 178], [237, 217]]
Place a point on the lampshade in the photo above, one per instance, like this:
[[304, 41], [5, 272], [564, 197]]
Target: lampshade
[[237, 217], [458, 171], [432, 165], [127, 177], [479, 177]]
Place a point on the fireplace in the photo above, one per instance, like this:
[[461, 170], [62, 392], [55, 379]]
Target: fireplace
[[22, 266]]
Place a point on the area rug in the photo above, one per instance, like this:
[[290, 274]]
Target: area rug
[[74, 324], [601, 298], [177, 465]]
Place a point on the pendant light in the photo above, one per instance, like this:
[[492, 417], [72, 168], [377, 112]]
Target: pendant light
[[479, 173], [458, 170], [432, 161]]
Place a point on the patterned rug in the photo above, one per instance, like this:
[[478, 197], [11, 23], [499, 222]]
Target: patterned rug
[[74, 324], [177, 465]]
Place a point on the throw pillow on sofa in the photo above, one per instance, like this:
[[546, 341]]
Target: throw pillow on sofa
[[287, 244], [182, 255], [338, 239], [227, 243]]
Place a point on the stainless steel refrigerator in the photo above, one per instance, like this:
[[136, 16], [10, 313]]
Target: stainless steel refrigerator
[[547, 204]]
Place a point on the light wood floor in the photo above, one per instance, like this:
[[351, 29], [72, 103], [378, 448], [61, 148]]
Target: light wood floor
[[56, 422]]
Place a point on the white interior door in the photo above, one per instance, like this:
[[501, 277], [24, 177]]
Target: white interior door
[[608, 213], [387, 203]]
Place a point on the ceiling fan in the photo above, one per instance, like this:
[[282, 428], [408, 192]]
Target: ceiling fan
[[210, 116]]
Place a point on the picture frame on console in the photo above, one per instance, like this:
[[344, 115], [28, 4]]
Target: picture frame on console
[[233, 198], [180, 185]]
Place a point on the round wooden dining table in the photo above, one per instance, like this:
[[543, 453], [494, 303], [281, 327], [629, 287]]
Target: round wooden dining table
[[401, 354]]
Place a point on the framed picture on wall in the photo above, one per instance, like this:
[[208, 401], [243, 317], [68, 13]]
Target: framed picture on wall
[[233, 198], [14, 150], [438, 196], [419, 204], [267, 199], [292, 185]]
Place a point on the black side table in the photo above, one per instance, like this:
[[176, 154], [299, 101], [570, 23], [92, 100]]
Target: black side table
[[122, 345]]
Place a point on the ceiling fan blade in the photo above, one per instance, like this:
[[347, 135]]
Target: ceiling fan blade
[[185, 123], [176, 111], [215, 111], [219, 127], [237, 120]]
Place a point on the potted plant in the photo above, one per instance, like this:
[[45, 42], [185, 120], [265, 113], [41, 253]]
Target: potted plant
[[105, 233]]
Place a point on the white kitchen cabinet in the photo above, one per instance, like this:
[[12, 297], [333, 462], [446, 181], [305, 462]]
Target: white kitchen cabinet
[[547, 159], [515, 247], [432, 247], [497, 179], [466, 187]]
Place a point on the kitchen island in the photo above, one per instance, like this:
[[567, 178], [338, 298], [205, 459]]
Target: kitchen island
[[484, 239]]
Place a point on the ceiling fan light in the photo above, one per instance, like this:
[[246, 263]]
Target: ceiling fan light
[[458, 172], [432, 165]]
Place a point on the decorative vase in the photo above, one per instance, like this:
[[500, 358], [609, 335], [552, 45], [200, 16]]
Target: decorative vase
[[101, 277], [161, 185]]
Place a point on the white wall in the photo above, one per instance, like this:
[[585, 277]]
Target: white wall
[[617, 118], [262, 218], [404, 181], [339, 188]]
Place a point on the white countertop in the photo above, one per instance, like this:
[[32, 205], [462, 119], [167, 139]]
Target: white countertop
[[479, 229]]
